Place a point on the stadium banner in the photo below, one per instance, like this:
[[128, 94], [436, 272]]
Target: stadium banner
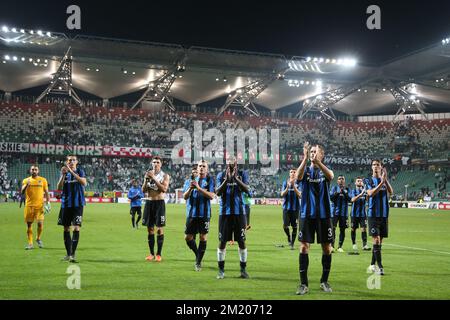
[[147, 152], [98, 200], [88, 200], [398, 204], [415, 205], [13, 147], [294, 158], [132, 152], [330, 160], [52, 149], [123, 200], [268, 201], [81, 150], [444, 206]]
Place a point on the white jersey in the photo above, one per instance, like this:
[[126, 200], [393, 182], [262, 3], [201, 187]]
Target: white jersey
[[159, 177]]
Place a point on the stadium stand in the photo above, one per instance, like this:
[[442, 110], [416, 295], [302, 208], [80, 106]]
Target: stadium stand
[[96, 125]]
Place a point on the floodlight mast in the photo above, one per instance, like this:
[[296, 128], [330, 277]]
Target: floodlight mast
[[245, 96], [61, 82], [405, 101], [322, 102], [158, 89]]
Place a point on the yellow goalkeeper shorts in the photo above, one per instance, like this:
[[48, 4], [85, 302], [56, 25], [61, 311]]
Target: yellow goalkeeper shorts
[[34, 214]]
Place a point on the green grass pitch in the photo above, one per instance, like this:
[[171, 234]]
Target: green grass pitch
[[111, 256]]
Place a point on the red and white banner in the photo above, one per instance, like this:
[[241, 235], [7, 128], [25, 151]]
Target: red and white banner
[[89, 200], [130, 152], [268, 201], [58, 149], [99, 200], [444, 206]]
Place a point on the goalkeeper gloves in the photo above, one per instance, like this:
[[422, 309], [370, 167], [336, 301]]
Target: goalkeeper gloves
[[47, 208]]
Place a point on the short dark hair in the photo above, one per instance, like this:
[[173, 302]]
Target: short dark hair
[[377, 160], [34, 165], [71, 155], [359, 177], [157, 158], [341, 176]]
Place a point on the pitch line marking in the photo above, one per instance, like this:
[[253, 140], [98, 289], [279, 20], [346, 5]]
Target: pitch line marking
[[414, 248]]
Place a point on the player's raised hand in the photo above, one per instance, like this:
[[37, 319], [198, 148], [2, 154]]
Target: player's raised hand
[[383, 175], [64, 170], [69, 169], [235, 170], [151, 174], [314, 159], [306, 148], [319, 155], [194, 184], [228, 172]]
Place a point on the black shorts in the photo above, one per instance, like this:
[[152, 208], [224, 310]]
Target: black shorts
[[154, 213], [135, 210], [290, 218], [232, 225], [358, 222], [310, 226], [70, 216], [378, 227], [197, 225], [341, 221]]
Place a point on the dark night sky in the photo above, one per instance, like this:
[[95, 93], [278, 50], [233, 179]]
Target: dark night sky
[[305, 28]]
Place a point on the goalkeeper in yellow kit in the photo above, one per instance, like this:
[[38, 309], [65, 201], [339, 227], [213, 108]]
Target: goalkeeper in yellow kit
[[34, 188]]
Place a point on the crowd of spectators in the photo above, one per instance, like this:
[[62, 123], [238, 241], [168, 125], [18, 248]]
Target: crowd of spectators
[[98, 125]]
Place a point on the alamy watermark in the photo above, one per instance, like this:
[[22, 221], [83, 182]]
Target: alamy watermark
[[74, 20], [74, 280], [373, 281], [374, 20], [223, 146]]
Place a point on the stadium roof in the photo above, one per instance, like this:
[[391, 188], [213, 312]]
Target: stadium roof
[[110, 68]]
